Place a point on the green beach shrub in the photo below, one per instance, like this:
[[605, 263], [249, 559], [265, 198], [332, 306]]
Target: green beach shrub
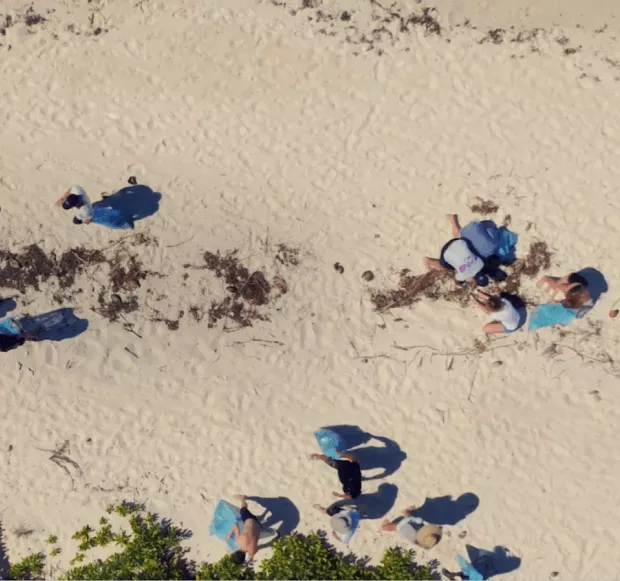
[[151, 548]]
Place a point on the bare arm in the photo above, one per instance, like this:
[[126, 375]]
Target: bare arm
[[347, 456], [233, 531], [454, 224], [64, 197]]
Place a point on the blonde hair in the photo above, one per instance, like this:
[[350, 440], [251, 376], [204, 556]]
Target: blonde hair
[[428, 536]]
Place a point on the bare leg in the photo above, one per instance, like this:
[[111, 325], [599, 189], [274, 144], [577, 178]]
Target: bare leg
[[451, 576], [494, 328], [454, 224], [320, 508], [387, 526], [433, 264], [242, 498], [409, 510]]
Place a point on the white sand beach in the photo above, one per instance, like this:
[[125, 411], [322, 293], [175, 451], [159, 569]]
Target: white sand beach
[[345, 134]]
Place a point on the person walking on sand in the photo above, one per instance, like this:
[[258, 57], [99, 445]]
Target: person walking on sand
[[247, 539], [506, 318], [77, 198], [349, 473], [414, 529]]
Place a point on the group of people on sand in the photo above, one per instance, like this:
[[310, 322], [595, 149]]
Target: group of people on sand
[[475, 255], [345, 515]]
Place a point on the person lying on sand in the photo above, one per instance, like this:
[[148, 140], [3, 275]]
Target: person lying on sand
[[349, 473], [506, 318], [343, 522], [9, 342], [247, 540], [573, 286], [76, 197], [414, 529]]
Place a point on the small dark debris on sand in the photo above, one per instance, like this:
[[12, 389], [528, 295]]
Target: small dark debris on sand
[[172, 324], [433, 285], [126, 273], [569, 51], [495, 35], [367, 275], [247, 291], [197, 313], [32, 18], [338, 268], [537, 260], [484, 207], [114, 307], [287, 255]]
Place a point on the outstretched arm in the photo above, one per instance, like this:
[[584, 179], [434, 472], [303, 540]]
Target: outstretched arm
[[347, 456], [64, 197], [454, 224]]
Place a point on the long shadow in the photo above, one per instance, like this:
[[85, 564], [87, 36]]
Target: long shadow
[[6, 306], [499, 561], [597, 283], [56, 325], [446, 510], [278, 509], [373, 505], [136, 201], [5, 565], [519, 304], [389, 456]]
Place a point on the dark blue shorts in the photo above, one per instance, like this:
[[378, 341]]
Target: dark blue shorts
[[245, 514]]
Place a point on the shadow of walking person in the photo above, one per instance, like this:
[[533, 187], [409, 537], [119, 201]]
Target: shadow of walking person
[[137, 202], [445, 510], [278, 509], [56, 325], [499, 561]]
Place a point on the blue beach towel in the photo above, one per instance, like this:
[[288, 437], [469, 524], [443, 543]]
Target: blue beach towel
[[469, 570], [550, 314], [110, 217], [329, 442], [224, 519], [7, 327]]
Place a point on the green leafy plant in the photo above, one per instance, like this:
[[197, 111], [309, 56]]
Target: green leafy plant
[[30, 567], [52, 539], [151, 548]]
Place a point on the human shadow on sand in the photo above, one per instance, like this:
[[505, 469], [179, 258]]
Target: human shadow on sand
[[446, 510], [277, 509], [56, 325], [137, 202], [388, 456], [499, 561], [5, 566], [6, 306], [373, 505]]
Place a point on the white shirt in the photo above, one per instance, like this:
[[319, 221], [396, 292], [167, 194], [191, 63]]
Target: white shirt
[[86, 211], [463, 260], [508, 316]]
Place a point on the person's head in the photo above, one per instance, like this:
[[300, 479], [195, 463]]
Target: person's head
[[495, 304], [72, 201], [238, 557], [428, 536], [576, 297]]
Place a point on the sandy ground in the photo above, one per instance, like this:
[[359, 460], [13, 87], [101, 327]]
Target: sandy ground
[[261, 124]]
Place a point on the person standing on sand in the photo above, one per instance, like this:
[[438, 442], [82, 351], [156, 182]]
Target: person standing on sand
[[349, 473], [343, 522], [247, 540], [76, 197], [414, 529], [506, 318], [573, 286]]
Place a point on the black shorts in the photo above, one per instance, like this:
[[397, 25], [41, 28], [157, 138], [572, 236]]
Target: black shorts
[[350, 476], [245, 514]]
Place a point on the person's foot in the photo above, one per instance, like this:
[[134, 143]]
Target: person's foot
[[319, 508], [447, 574], [104, 195], [384, 523], [409, 509], [241, 497], [315, 456]]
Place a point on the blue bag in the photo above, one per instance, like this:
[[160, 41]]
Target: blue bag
[[329, 442], [224, 519]]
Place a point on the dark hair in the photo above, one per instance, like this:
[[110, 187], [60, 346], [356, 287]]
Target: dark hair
[[238, 557], [495, 304], [576, 297], [72, 201]]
